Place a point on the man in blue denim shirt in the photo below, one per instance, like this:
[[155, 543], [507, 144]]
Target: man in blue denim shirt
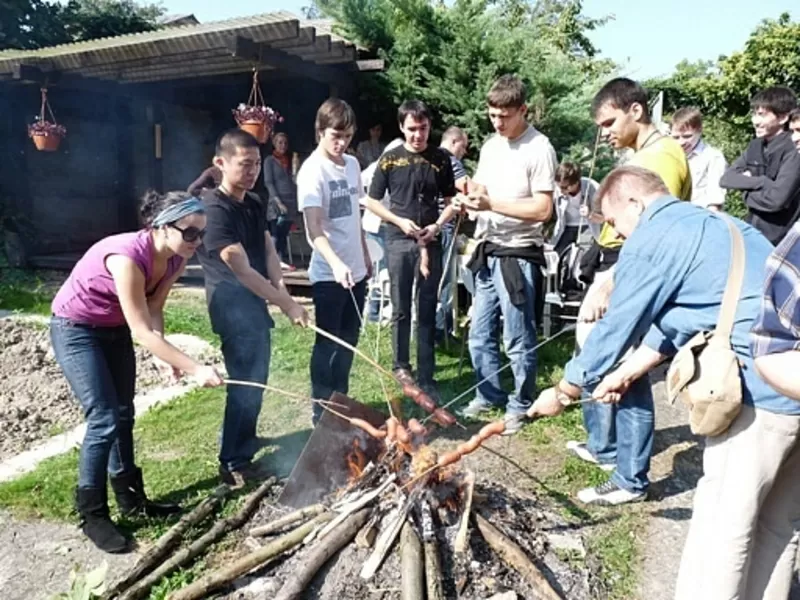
[[668, 286]]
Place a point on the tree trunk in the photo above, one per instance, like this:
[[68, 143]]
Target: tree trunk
[[514, 556], [214, 581], [411, 559], [433, 571], [166, 542], [320, 553], [213, 535]]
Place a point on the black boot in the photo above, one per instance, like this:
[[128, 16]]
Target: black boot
[[132, 501], [92, 505]]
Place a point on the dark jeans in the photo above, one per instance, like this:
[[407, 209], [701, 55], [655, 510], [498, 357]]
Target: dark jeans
[[337, 313], [100, 366], [402, 255], [279, 230], [243, 325]]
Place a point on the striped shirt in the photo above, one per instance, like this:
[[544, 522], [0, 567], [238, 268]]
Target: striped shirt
[[777, 328]]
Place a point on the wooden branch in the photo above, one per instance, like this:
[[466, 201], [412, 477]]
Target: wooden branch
[[166, 542], [223, 577], [357, 505], [201, 544], [433, 571], [411, 561], [320, 554], [460, 544], [390, 529], [291, 519], [514, 556]]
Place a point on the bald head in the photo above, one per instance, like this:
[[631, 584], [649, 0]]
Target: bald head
[[630, 182]]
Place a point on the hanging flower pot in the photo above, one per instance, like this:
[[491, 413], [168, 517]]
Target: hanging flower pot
[[46, 134], [255, 117]]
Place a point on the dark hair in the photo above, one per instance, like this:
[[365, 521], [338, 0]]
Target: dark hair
[[778, 100], [688, 116], [794, 115], [336, 114], [416, 109], [153, 203], [507, 92], [622, 93], [568, 172], [233, 139]]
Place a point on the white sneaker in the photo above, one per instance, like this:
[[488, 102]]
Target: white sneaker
[[580, 450], [609, 494]]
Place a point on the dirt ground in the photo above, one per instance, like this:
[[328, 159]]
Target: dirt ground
[[35, 399]]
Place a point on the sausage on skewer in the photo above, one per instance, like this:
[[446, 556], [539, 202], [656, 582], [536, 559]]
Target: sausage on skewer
[[496, 428]]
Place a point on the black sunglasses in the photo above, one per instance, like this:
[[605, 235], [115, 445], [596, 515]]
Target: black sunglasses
[[189, 234]]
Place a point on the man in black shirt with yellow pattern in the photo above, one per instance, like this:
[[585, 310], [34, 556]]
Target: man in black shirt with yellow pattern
[[415, 175]]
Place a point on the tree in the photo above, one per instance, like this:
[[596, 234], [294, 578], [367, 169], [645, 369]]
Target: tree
[[30, 24], [448, 55]]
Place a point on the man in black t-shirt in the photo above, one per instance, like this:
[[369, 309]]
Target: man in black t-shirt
[[416, 176], [242, 271]]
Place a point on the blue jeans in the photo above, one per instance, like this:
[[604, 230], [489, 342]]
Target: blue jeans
[[338, 312], [519, 337], [279, 230], [375, 308], [444, 315], [100, 366], [623, 434], [243, 325]]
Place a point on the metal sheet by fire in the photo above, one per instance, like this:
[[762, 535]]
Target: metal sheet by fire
[[322, 466]]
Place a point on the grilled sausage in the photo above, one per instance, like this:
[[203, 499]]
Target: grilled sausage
[[373, 431]]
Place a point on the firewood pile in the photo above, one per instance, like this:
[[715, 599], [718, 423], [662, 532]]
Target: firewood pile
[[410, 523]]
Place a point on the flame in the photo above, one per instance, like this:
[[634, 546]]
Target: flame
[[356, 461]]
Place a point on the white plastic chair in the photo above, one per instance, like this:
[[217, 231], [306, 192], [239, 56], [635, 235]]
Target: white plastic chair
[[379, 281]]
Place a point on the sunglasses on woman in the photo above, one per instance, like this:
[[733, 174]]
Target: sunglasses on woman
[[189, 234]]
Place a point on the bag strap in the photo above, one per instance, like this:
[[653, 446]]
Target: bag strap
[[733, 288]]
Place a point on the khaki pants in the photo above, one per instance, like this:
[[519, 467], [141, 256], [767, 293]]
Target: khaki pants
[[742, 539]]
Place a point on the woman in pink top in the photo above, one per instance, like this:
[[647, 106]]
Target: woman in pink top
[[114, 294]]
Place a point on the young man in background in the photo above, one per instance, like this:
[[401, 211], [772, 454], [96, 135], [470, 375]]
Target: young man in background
[[515, 181], [768, 173], [416, 176], [706, 163]]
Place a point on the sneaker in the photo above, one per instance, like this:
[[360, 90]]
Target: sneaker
[[580, 450], [609, 494], [514, 423], [475, 409], [237, 478], [404, 377]]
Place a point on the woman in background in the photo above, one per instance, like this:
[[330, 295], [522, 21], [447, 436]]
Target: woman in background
[[115, 294], [282, 206]]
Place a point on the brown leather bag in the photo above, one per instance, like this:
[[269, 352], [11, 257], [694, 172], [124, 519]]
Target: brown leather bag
[[705, 372]]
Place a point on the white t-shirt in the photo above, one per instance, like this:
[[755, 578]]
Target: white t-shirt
[[513, 169], [336, 189]]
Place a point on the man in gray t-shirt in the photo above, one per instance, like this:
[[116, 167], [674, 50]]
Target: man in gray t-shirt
[[514, 198]]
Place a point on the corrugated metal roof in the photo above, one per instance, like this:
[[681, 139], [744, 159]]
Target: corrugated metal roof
[[189, 50]]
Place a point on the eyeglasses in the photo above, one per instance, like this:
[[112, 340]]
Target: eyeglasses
[[189, 234]]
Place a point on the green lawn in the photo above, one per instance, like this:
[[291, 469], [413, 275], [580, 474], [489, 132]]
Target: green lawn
[[177, 443]]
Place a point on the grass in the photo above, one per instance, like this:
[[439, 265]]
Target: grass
[[176, 444], [24, 292]]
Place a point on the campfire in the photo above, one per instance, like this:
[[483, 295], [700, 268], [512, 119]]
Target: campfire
[[364, 486]]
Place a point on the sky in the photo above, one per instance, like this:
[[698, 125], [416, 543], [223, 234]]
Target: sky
[[646, 40]]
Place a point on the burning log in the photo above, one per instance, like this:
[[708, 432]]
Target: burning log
[[298, 516], [390, 529], [320, 554], [218, 579], [168, 541], [512, 554], [213, 535], [433, 570], [411, 558]]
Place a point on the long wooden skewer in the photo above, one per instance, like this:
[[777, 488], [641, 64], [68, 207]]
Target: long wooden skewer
[[275, 390]]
